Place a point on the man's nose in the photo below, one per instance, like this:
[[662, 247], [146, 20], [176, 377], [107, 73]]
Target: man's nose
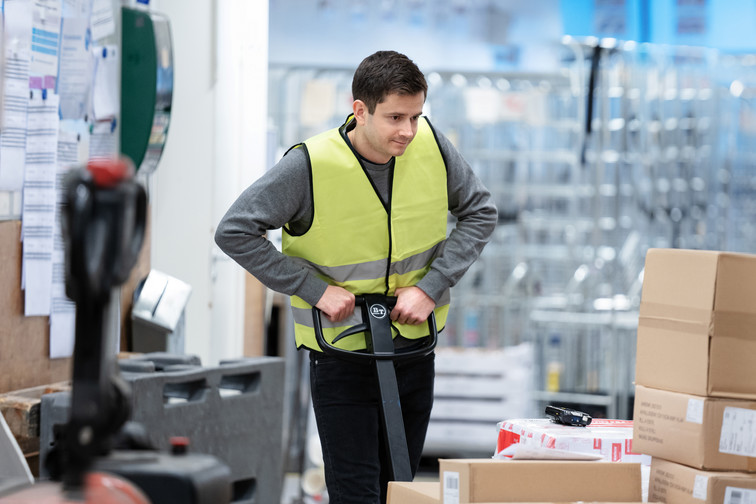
[[407, 129]]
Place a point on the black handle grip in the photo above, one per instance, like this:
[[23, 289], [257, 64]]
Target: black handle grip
[[368, 303]]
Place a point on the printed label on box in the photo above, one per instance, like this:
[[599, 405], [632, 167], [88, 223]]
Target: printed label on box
[[695, 411], [451, 487], [734, 495], [738, 435], [700, 487]]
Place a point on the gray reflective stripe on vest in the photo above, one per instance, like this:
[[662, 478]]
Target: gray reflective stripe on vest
[[303, 316], [375, 269], [417, 261]]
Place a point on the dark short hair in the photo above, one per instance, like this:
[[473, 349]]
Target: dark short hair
[[383, 73]]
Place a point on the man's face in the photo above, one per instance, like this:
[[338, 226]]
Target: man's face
[[389, 130]]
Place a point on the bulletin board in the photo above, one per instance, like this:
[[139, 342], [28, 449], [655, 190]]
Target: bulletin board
[[24, 341], [60, 107]]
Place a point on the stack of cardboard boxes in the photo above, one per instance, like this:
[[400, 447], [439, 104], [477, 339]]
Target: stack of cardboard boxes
[[695, 398], [494, 481]]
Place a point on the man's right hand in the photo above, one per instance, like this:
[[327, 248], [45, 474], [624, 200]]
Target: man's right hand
[[336, 303]]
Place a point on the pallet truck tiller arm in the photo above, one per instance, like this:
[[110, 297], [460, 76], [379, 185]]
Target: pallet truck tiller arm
[[376, 326]]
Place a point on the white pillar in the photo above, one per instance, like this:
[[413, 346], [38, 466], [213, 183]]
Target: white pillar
[[215, 148], [240, 136]]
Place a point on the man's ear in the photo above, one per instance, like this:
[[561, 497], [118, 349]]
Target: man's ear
[[360, 111]]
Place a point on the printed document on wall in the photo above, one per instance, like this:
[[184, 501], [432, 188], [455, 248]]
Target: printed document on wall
[[17, 47], [105, 101], [103, 20], [75, 75], [77, 9], [103, 141], [45, 42], [38, 207], [73, 150]]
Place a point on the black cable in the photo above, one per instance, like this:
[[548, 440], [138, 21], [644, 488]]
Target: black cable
[[592, 83]]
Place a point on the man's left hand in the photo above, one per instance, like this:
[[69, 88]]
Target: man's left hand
[[413, 306]]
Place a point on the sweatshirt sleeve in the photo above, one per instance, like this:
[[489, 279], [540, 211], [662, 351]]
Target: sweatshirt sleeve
[[476, 216], [280, 196]]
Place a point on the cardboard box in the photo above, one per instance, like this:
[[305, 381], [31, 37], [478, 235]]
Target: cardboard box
[[422, 492], [695, 327], [490, 480], [679, 484], [612, 439], [419, 492], [703, 432]]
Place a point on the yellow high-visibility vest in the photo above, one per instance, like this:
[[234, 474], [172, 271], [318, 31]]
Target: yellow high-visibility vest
[[357, 243]]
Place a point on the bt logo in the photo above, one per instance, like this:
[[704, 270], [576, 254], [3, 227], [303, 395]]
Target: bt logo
[[378, 311]]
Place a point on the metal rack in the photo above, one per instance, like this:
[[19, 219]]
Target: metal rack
[[620, 148], [736, 196]]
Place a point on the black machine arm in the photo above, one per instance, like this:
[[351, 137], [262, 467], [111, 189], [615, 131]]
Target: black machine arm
[[104, 219]]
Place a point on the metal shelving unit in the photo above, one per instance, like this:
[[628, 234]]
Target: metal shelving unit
[[621, 148]]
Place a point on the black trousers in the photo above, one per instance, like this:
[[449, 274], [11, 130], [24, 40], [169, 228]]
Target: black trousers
[[345, 400]]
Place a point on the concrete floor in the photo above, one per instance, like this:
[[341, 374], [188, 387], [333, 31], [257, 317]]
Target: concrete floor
[[292, 494]]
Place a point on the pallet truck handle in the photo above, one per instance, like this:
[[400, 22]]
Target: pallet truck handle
[[377, 328], [374, 309]]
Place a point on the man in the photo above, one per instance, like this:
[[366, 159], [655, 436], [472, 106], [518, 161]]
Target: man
[[364, 209]]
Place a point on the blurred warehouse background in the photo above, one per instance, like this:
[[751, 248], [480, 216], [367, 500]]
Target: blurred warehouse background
[[602, 127]]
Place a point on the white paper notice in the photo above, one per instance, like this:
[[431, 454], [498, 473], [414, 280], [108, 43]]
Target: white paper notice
[[102, 142], [77, 8], [71, 136], [75, 76], [62, 330], [45, 42], [103, 22], [738, 435], [38, 208], [10, 205], [17, 47], [105, 101], [451, 487]]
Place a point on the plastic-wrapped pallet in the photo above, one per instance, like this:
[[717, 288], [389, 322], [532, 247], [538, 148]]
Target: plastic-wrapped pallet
[[612, 439], [474, 389]]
